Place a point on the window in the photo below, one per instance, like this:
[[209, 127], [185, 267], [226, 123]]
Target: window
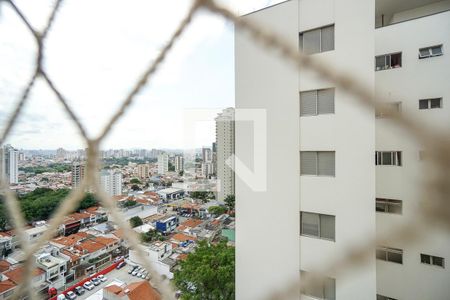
[[388, 206], [432, 260], [317, 225], [430, 51], [388, 61], [390, 254], [323, 288], [383, 110], [388, 158], [317, 102], [381, 297], [317, 40], [430, 103], [319, 163]]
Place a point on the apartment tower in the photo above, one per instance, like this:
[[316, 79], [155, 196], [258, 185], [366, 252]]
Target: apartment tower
[[78, 170], [339, 173], [163, 163], [9, 166], [225, 149], [111, 181]]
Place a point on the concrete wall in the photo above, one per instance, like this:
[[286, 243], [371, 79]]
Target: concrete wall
[[267, 227], [416, 79]]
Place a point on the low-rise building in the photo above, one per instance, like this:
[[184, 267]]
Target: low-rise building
[[134, 291]]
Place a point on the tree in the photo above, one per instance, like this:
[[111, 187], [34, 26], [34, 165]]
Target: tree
[[136, 221], [207, 273], [217, 210], [135, 187], [230, 201], [181, 173], [129, 203], [171, 167], [135, 181], [151, 236]]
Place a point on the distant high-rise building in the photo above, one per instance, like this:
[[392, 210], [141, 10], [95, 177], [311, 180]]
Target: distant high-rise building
[[225, 149], [61, 153], [77, 174], [206, 169], [111, 181], [179, 163], [214, 158], [21, 156], [9, 164], [206, 154], [163, 163], [143, 171]]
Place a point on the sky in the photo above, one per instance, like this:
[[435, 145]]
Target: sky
[[95, 52]]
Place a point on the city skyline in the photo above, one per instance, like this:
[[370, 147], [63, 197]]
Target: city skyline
[[128, 46]]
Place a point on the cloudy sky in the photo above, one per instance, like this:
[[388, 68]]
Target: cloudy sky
[[96, 51]]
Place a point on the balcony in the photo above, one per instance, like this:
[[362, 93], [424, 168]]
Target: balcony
[[389, 12]]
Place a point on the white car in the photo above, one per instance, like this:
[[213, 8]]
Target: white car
[[71, 295], [102, 277], [61, 297], [137, 270], [88, 285], [144, 274]]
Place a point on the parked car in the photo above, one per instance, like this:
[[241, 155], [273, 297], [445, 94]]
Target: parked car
[[96, 281], [71, 295], [79, 290], [144, 274], [61, 297], [88, 285], [134, 273], [120, 265], [139, 274], [132, 269], [102, 278]]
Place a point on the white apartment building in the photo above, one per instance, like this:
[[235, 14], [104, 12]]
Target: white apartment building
[[9, 166], [163, 163], [179, 163], [325, 191], [143, 171], [225, 149], [77, 173], [111, 181]]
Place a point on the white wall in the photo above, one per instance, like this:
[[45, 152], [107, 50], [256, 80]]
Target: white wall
[[349, 196], [267, 227], [416, 79]]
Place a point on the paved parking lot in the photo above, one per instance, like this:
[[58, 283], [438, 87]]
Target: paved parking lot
[[120, 275]]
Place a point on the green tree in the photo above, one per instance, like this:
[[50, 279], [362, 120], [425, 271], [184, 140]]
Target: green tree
[[135, 181], [230, 201], [207, 273], [135, 187], [136, 221], [151, 236], [129, 203], [217, 210], [181, 173], [171, 167]]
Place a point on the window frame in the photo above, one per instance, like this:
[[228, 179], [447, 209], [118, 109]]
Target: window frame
[[396, 158], [430, 51], [380, 110], [301, 43], [322, 286], [387, 203], [388, 66], [431, 259], [319, 236], [429, 101], [316, 92], [317, 163], [388, 250]]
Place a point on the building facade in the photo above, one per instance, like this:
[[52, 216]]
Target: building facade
[[163, 163], [111, 181], [179, 163], [77, 173], [10, 164], [225, 149], [325, 193]]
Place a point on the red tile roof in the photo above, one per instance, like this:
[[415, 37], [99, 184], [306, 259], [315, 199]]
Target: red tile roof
[[105, 241], [15, 275], [4, 265], [192, 223], [6, 285], [141, 290], [181, 237], [89, 246]]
